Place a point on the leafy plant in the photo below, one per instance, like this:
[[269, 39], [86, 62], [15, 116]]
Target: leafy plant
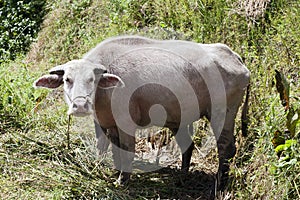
[[287, 144], [20, 23]]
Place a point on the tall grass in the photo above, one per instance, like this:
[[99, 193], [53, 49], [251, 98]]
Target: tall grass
[[34, 160]]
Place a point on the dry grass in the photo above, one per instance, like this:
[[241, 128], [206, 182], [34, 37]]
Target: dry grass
[[34, 161], [252, 9]]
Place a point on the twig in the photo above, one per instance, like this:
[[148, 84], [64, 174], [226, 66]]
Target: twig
[[296, 188], [68, 132], [34, 141]]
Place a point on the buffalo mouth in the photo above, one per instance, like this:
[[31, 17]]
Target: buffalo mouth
[[80, 114], [80, 108]]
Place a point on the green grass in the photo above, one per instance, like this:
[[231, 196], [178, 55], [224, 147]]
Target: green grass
[[34, 160]]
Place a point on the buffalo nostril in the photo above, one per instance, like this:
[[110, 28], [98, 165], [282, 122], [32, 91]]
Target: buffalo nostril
[[75, 105], [86, 106]]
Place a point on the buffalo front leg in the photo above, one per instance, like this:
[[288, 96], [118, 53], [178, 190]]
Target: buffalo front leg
[[186, 144], [102, 138], [127, 152], [114, 138]]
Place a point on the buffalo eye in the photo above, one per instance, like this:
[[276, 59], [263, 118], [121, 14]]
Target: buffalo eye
[[69, 80], [91, 80]]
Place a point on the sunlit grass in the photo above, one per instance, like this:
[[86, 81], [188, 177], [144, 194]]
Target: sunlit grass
[[34, 160]]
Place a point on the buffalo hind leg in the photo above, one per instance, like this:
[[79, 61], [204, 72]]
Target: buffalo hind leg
[[184, 140], [226, 145], [226, 151]]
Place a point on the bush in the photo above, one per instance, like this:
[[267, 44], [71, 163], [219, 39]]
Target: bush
[[20, 23]]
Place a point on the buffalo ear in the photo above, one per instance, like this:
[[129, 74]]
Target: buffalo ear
[[99, 69], [110, 81], [49, 81], [54, 80], [59, 70]]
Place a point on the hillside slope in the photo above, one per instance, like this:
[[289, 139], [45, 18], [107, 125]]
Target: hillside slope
[[34, 160]]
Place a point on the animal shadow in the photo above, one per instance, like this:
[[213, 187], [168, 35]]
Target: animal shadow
[[170, 183]]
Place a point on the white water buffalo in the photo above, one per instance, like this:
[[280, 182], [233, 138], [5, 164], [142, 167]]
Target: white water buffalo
[[134, 82]]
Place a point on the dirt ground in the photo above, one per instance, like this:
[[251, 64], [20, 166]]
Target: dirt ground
[[158, 160]]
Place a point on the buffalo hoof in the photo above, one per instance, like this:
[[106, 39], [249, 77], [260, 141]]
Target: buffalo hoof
[[123, 179], [223, 180]]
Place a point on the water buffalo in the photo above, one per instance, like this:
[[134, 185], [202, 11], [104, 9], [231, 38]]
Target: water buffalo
[[134, 82]]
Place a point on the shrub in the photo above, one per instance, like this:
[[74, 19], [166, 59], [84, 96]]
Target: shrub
[[20, 23]]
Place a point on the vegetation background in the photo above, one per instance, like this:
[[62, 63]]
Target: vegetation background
[[37, 35]]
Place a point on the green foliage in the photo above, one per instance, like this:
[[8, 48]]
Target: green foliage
[[293, 121], [71, 29], [280, 142], [33, 122], [20, 103], [20, 23], [16, 97], [286, 147], [197, 19]]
